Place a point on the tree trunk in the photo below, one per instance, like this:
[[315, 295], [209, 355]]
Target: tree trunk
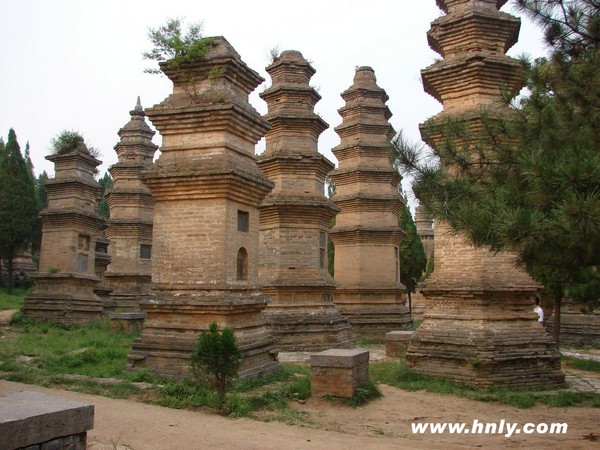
[[409, 303], [556, 329], [10, 271]]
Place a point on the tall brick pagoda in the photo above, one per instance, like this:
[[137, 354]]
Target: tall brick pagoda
[[366, 234], [295, 216], [207, 188], [424, 224], [131, 207], [479, 327], [71, 225]]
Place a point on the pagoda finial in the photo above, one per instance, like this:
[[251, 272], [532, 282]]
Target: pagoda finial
[[138, 110]]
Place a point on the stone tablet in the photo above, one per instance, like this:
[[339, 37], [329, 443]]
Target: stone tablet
[[29, 418]]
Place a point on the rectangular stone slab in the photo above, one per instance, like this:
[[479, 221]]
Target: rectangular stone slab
[[337, 357], [28, 418]]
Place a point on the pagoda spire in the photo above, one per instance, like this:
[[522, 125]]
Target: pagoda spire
[[131, 209]]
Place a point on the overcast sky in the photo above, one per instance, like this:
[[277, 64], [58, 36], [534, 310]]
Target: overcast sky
[[77, 64]]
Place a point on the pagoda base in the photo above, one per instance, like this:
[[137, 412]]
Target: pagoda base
[[176, 317], [485, 339], [128, 291], [64, 298], [373, 312], [305, 320]]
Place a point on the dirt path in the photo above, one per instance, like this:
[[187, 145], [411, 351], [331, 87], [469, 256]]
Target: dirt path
[[382, 424]]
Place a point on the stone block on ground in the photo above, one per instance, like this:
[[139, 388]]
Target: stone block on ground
[[338, 372], [37, 420]]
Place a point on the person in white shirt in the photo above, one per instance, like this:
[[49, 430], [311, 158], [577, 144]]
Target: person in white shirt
[[538, 310]]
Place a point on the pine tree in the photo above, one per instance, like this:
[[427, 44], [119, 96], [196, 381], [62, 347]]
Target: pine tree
[[217, 357], [530, 183], [28, 161], [18, 210], [2, 155], [412, 254]]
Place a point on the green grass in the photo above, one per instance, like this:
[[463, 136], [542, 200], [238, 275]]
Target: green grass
[[582, 364], [43, 353], [14, 300], [92, 350], [362, 395], [52, 352], [267, 396], [397, 374]]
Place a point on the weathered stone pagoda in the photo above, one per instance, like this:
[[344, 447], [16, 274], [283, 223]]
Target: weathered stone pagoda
[[131, 207], [71, 226], [479, 327], [366, 234], [424, 224], [295, 216], [207, 188]]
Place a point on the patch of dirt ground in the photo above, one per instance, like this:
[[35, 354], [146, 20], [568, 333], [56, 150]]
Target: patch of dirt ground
[[384, 423]]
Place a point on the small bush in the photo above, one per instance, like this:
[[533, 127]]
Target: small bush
[[68, 141], [22, 281], [217, 358], [299, 389], [171, 45]]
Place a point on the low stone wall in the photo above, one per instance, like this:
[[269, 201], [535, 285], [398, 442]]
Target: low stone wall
[[37, 421], [576, 328]]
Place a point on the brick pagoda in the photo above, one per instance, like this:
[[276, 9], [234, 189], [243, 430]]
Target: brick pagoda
[[131, 207], [207, 188], [424, 224], [479, 327], [366, 234], [295, 216], [71, 225]]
